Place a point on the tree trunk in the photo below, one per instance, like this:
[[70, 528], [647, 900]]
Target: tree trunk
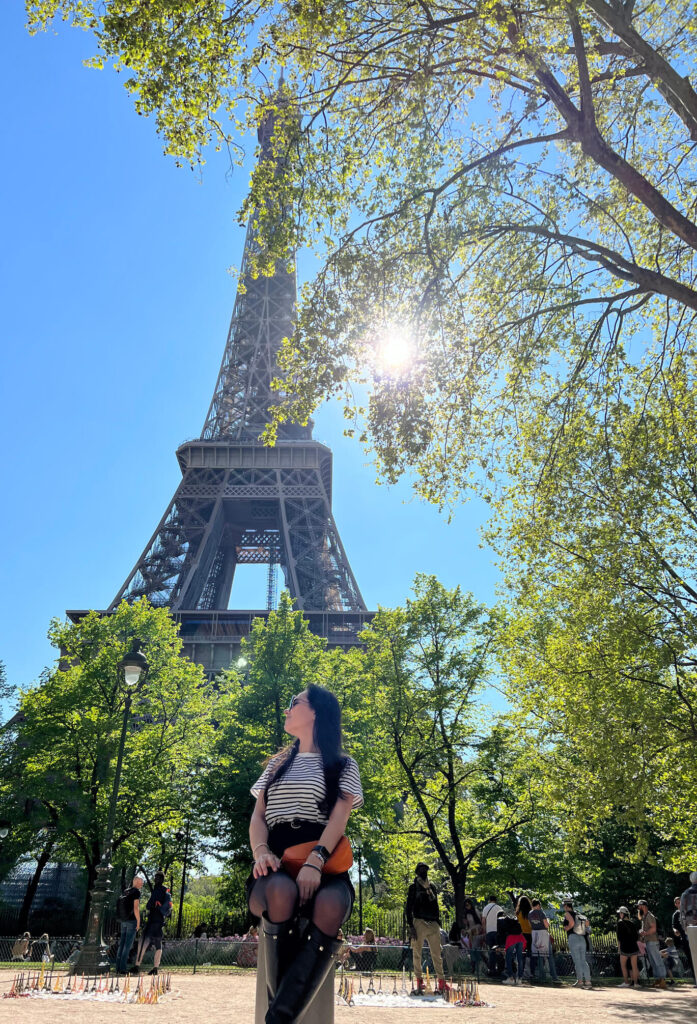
[[33, 885], [459, 889]]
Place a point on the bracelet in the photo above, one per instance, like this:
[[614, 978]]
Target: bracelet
[[313, 866], [255, 848]]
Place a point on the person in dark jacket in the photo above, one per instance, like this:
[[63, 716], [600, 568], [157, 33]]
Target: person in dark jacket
[[423, 918], [510, 936], [159, 908]]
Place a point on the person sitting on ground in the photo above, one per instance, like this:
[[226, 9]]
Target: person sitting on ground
[[671, 959], [365, 956], [628, 945], [21, 947], [41, 948], [344, 951], [249, 950]]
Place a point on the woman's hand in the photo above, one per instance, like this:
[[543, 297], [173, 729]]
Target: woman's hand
[[265, 863], [308, 882]]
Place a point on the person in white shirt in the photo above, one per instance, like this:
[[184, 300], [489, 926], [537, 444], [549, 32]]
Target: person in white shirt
[[490, 915]]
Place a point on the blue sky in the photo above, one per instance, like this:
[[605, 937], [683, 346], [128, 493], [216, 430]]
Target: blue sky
[[116, 301]]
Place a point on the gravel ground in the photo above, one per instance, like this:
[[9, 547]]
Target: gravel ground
[[229, 999]]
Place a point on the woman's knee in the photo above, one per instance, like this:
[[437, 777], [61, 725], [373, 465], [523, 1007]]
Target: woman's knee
[[331, 908]]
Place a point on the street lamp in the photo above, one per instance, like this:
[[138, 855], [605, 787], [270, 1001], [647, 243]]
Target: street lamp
[[93, 958]]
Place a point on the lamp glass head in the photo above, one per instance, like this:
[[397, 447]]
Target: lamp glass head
[[132, 674]]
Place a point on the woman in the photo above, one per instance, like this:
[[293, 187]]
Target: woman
[[523, 906], [365, 956], [628, 944], [21, 947], [305, 795], [576, 928]]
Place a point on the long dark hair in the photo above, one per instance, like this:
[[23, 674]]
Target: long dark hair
[[326, 736], [524, 907]]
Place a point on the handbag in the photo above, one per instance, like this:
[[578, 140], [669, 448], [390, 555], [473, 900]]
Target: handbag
[[341, 859]]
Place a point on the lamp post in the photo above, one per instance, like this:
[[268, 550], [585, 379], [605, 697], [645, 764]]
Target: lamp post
[[93, 958]]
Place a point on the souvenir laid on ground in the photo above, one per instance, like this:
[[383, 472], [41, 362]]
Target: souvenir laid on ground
[[369, 991], [49, 985]]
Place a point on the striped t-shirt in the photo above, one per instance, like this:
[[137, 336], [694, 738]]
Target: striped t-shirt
[[301, 790]]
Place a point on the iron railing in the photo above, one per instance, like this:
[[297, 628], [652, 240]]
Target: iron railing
[[236, 953]]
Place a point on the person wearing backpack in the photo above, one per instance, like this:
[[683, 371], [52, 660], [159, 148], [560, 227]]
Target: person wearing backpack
[[577, 927], [649, 936], [688, 919], [128, 913], [159, 908]]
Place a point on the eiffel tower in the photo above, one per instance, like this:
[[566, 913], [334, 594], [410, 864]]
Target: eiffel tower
[[242, 502]]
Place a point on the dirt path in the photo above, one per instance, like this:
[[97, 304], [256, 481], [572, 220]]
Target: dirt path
[[229, 999]]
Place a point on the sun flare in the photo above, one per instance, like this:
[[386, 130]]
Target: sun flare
[[394, 349]]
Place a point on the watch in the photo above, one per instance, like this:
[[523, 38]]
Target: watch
[[322, 852]]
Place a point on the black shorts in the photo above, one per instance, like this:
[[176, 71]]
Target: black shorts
[[283, 836], [152, 938]]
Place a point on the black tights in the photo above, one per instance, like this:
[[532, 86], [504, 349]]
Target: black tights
[[276, 895]]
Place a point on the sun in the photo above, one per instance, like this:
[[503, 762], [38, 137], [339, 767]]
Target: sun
[[394, 349]]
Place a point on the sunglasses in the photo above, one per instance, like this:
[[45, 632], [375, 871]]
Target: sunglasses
[[297, 700]]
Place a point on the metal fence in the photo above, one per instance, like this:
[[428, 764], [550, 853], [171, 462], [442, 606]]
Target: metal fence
[[232, 954]]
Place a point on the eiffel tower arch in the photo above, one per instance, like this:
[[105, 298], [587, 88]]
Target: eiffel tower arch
[[241, 502]]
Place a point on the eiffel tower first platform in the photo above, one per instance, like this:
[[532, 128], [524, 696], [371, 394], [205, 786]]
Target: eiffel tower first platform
[[242, 502]]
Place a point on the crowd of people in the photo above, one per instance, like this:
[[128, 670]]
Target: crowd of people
[[520, 945]]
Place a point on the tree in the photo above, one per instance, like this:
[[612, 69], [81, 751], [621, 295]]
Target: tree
[[59, 756], [506, 185], [461, 788], [603, 625]]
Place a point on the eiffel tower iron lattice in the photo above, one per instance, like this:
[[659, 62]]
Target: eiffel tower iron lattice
[[241, 502]]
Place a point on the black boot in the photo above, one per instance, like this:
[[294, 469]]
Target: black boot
[[304, 977], [280, 946]]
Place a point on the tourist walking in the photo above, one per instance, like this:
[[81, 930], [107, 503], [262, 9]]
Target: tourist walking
[[159, 908], [490, 916], [423, 919], [301, 858], [541, 944], [688, 918], [628, 946], [649, 936], [128, 913], [577, 929]]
